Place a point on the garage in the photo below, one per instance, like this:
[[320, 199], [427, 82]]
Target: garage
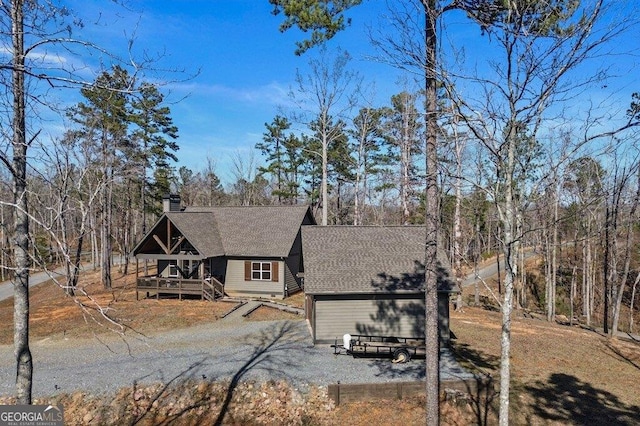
[[368, 280]]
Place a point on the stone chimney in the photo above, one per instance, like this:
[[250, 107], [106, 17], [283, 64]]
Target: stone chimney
[[171, 203]]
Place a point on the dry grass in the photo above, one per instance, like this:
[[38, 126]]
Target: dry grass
[[267, 313], [410, 411], [559, 372], [295, 300], [99, 311]]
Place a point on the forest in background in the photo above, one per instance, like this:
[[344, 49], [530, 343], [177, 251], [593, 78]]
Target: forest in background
[[524, 163], [108, 174]]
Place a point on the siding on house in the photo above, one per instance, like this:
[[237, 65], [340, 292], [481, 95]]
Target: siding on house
[[292, 284], [235, 284], [293, 262]]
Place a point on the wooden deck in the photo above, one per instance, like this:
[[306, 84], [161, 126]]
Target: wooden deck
[[209, 289]]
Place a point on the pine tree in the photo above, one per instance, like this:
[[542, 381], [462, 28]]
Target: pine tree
[[104, 119], [154, 138], [274, 147]]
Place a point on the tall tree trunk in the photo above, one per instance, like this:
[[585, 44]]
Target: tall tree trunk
[[405, 158], [572, 294], [4, 247], [128, 224], [356, 194], [554, 254], [608, 271], [476, 259], [551, 303], [589, 279], [631, 303], [24, 368], [627, 256], [505, 339], [432, 213], [95, 253], [551, 244], [509, 241], [457, 229], [498, 266], [363, 204], [523, 278], [457, 236], [106, 234], [75, 273], [325, 192], [143, 199], [64, 228], [547, 269]]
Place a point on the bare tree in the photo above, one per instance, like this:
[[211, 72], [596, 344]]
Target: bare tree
[[403, 127], [366, 153], [325, 95], [6, 229], [632, 301], [457, 143], [622, 215], [584, 188], [18, 170], [32, 33], [539, 44], [249, 187]]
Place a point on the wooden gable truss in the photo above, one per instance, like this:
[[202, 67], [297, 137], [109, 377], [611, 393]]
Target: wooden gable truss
[[166, 242]]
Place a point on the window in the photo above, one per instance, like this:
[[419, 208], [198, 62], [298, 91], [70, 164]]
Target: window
[[261, 271], [173, 269]]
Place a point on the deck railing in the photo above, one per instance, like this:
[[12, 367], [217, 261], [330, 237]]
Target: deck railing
[[209, 288]]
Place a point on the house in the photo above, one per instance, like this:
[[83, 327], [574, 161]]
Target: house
[[369, 280], [217, 251]]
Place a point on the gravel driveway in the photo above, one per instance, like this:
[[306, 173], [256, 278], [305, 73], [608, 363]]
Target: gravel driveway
[[253, 350]]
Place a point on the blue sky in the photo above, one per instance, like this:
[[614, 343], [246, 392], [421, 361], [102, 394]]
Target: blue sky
[[246, 66]]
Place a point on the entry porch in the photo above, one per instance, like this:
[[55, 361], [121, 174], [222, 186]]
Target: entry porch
[[208, 288]]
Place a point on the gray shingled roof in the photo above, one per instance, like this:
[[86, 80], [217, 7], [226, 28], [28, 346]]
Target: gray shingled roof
[[201, 230], [366, 259], [264, 231]]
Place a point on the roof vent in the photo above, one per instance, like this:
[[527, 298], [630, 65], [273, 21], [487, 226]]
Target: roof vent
[[171, 203]]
